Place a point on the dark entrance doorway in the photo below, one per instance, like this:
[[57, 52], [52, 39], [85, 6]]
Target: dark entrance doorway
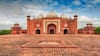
[[51, 29], [65, 31], [37, 31], [17, 32]]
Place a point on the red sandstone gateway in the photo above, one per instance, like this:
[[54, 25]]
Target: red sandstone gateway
[[51, 24]]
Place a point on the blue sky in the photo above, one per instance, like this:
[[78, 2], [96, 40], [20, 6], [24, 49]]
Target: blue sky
[[15, 11]]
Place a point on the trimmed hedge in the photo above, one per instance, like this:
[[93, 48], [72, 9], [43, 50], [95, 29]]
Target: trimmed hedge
[[97, 30], [3, 32]]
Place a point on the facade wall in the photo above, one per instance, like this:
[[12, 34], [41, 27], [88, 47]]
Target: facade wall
[[61, 25], [49, 24]]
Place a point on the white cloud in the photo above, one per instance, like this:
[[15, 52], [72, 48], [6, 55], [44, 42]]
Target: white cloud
[[88, 19], [96, 1], [67, 10], [17, 11], [34, 12], [83, 20], [97, 23], [77, 2], [89, 6], [5, 21], [10, 14]]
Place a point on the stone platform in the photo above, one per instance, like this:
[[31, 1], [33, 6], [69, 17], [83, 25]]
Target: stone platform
[[50, 45]]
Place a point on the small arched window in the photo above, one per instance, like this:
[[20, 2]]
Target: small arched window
[[37, 31], [65, 31]]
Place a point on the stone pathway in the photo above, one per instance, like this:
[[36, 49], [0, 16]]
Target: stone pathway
[[51, 52], [50, 47]]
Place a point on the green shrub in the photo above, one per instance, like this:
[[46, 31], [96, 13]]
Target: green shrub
[[97, 30], [3, 32]]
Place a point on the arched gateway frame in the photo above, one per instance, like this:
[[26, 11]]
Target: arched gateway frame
[[51, 29]]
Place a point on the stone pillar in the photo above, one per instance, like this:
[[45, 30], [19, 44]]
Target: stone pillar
[[75, 19], [28, 24]]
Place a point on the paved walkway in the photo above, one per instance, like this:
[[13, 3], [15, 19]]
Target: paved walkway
[[50, 45]]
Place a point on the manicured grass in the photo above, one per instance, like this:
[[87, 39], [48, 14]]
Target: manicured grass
[[3, 32]]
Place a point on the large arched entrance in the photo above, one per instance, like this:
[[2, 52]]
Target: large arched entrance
[[51, 29]]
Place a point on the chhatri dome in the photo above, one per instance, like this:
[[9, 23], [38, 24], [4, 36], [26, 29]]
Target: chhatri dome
[[40, 16], [63, 16], [89, 22], [52, 14]]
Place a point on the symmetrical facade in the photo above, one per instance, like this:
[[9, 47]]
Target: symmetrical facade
[[52, 24]]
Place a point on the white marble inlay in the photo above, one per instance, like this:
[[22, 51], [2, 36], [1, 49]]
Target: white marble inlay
[[49, 43]]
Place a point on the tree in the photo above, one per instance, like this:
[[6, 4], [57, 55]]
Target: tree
[[97, 30], [3, 32]]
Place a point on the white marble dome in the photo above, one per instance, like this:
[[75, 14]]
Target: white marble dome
[[52, 14]]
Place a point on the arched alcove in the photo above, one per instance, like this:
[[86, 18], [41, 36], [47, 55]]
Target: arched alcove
[[65, 31], [51, 29], [38, 31]]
